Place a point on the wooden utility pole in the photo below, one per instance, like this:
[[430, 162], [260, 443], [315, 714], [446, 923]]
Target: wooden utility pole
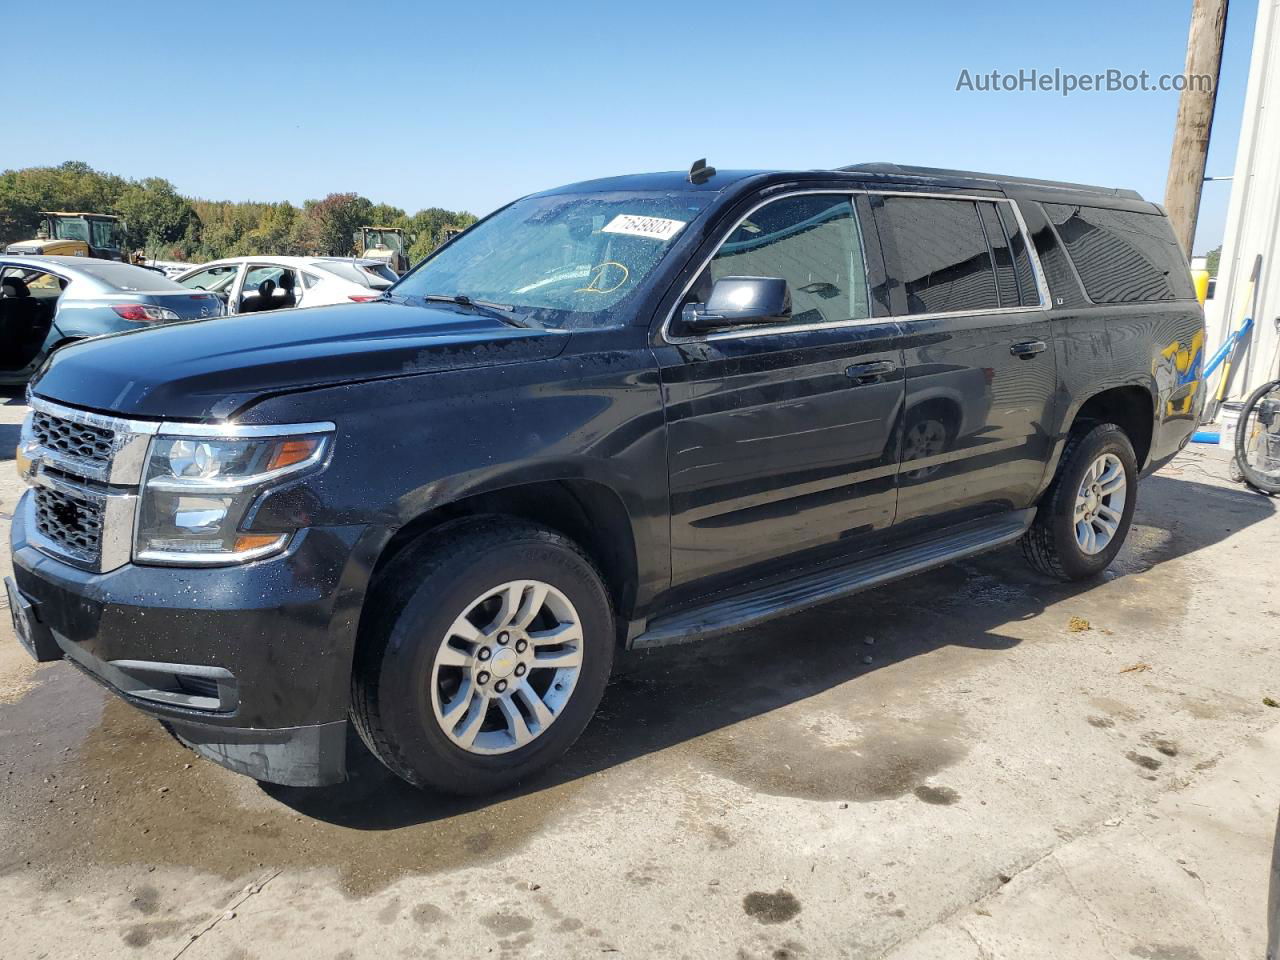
[[1195, 118]]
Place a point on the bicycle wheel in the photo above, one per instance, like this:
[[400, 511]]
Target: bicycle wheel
[[1258, 438]]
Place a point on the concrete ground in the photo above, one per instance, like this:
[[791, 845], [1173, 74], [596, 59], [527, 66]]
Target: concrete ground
[[976, 763]]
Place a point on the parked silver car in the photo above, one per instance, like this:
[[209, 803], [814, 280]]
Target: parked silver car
[[49, 302]]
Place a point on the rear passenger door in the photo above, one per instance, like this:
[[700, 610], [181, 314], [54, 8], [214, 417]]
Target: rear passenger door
[[980, 371], [782, 436]]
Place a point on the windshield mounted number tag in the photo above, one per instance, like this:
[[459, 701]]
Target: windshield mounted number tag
[[655, 228]]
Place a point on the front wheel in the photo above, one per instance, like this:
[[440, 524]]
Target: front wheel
[[1085, 515], [487, 661]]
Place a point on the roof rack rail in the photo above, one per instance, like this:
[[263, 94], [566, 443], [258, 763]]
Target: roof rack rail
[[899, 169]]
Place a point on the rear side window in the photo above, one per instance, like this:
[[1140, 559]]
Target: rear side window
[[1027, 291], [1122, 256], [942, 257], [1001, 256]]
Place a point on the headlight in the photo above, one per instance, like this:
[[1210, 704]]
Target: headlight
[[198, 490]]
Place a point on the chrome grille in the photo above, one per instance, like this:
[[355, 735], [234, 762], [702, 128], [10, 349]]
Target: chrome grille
[[72, 521], [74, 443], [85, 469]]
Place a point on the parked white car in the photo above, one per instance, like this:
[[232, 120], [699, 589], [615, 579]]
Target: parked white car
[[255, 284], [170, 268]]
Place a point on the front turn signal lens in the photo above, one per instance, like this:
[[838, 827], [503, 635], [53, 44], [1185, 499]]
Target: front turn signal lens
[[248, 542], [290, 452]]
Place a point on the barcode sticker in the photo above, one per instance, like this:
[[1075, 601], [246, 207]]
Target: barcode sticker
[[655, 228]]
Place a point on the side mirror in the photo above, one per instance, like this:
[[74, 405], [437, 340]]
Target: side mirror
[[740, 300]]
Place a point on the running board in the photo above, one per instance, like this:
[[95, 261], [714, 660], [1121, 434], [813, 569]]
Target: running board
[[830, 582]]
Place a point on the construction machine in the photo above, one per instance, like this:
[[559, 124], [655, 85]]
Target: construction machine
[[388, 244], [66, 234]]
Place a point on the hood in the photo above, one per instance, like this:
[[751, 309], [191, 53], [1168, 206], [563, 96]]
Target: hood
[[49, 248], [209, 369]]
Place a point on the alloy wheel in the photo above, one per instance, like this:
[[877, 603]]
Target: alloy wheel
[[507, 667]]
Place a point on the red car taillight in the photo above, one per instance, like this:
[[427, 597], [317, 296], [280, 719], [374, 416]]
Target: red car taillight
[[363, 298], [144, 312]]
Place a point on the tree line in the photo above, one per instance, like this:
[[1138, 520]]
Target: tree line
[[168, 226]]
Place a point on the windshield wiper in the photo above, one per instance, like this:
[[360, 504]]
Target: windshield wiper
[[503, 311]]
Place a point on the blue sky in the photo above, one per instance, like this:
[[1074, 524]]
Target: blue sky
[[466, 105]]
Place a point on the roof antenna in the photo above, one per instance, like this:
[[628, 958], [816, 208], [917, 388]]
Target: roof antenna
[[700, 172]]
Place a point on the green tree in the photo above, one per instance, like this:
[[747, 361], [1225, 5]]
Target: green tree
[[1212, 259], [432, 227], [332, 221], [156, 216], [171, 226], [69, 186]]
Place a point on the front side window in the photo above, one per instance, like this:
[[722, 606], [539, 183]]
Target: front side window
[[941, 256], [1122, 256], [214, 278], [812, 241], [562, 260], [104, 234], [257, 275]]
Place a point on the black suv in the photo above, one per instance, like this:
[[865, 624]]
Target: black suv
[[622, 413]]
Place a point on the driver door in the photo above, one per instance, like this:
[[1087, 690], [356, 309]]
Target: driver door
[[782, 437]]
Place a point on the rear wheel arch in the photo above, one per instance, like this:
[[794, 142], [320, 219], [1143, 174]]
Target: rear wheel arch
[[1132, 408]]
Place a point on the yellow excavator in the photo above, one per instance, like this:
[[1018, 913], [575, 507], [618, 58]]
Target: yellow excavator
[[65, 234], [388, 244]]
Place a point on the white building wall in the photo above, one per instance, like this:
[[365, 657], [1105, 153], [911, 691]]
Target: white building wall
[[1253, 219]]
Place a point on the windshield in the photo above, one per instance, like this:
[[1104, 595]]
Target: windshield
[[566, 260], [383, 238], [66, 228]]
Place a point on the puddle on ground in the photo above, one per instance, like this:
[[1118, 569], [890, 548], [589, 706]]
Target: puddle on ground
[[105, 784], [886, 758]]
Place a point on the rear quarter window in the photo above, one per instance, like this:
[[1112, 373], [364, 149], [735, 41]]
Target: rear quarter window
[[1122, 256]]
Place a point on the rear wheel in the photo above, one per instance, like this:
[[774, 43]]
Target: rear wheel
[[486, 660], [1085, 515]]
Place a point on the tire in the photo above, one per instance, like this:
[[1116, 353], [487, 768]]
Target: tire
[[1262, 482], [402, 685], [1051, 544]]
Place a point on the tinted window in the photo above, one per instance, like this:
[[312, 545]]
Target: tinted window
[[1001, 256], [1121, 256], [103, 233], [813, 243], [376, 276], [1021, 257], [124, 276], [942, 261]]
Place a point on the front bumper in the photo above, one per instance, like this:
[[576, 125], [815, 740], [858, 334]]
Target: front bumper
[[249, 665]]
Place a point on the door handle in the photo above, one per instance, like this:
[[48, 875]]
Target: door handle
[[1028, 348], [871, 371]]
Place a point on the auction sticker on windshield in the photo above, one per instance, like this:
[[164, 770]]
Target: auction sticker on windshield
[[655, 228]]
